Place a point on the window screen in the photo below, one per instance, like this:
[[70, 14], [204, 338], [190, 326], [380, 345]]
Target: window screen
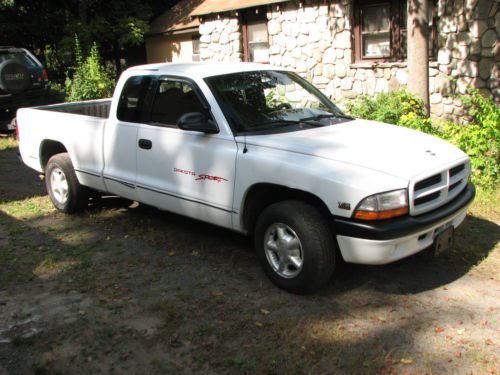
[[196, 48], [258, 43], [381, 32], [376, 31]]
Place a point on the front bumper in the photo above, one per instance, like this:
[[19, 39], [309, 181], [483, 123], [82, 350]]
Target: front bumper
[[386, 241]]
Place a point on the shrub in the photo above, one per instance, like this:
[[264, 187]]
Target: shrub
[[386, 107], [480, 139], [421, 123], [90, 78]]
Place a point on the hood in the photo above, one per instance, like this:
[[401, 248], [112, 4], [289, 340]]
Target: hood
[[390, 149]]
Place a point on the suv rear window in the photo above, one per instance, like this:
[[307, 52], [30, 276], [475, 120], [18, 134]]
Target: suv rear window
[[19, 57]]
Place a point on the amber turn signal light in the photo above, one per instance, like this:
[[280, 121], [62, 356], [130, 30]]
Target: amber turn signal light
[[380, 215]]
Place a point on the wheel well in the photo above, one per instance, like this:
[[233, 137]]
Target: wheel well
[[48, 149], [260, 196]]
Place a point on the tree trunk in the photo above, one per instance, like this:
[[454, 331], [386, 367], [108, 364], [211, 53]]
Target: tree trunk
[[418, 49]]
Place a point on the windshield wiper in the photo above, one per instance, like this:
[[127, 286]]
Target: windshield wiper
[[286, 122], [329, 115]]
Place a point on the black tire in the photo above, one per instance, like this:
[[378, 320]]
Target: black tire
[[14, 77], [77, 197], [318, 247]]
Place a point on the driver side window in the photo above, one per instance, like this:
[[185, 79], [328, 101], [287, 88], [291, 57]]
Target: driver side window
[[172, 100]]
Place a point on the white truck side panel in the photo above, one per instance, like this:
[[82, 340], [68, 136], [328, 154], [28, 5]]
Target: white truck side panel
[[120, 158], [82, 136], [187, 172]]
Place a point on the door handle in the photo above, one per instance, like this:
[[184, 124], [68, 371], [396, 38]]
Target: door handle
[[146, 144]]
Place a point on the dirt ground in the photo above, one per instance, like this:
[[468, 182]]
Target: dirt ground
[[126, 289]]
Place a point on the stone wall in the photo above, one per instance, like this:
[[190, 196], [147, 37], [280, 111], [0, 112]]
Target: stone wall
[[221, 39], [469, 53], [315, 39]]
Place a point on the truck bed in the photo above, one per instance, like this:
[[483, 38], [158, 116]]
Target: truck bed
[[79, 127], [93, 108]]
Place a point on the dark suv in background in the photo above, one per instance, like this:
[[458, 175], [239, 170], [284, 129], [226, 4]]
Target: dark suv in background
[[23, 83]]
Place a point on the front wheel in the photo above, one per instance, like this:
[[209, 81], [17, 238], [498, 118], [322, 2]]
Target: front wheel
[[295, 246], [65, 191]]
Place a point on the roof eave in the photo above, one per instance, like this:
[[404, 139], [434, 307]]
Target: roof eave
[[176, 31]]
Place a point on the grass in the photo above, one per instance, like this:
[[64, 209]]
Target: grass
[[487, 205], [51, 267]]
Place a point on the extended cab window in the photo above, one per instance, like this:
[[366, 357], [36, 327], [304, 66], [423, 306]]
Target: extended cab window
[[173, 99], [131, 104]]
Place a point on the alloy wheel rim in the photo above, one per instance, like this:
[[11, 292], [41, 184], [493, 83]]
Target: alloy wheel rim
[[59, 185], [283, 250]]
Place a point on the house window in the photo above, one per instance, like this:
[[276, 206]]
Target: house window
[[375, 31], [196, 47], [380, 30], [255, 36]]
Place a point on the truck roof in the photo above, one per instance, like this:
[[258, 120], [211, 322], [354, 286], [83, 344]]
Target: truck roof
[[203, 69]]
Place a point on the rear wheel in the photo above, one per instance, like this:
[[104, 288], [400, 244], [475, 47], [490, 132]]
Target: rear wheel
[[65, 191], [295, 246]]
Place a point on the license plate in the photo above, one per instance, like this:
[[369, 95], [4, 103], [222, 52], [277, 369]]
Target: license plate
[[444, 241]]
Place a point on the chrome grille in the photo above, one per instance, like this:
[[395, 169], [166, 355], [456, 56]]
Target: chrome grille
[[432, 191]]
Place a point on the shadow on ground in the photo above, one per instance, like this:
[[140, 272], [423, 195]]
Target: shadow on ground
[[415, 274], [17, 182]]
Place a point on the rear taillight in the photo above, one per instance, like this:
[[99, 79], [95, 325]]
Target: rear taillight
[[44, 75], [17, 129]]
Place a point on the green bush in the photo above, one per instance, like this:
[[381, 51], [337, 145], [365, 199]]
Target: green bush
[[480, 139], [90, 78], [386, 107]]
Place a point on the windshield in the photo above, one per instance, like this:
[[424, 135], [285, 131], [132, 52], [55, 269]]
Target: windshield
[[272, 101]]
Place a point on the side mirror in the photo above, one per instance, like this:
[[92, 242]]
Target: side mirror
[[198, 122]]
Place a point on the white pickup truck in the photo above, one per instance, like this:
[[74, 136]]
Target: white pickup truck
[[259, 150]]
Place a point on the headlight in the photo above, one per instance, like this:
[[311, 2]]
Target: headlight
[[383, 206]]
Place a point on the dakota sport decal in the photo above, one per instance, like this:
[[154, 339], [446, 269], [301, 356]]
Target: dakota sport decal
[[211, 178], [200, 177]]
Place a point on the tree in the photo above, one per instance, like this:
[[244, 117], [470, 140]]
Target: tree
[[418, 49], [51, 24], [112, 23], [4, 4]]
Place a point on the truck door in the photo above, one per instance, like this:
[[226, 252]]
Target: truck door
[[187, 172], [120, 138]]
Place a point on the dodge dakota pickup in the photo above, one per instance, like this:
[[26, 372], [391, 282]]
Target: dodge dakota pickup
[[259, 150]]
